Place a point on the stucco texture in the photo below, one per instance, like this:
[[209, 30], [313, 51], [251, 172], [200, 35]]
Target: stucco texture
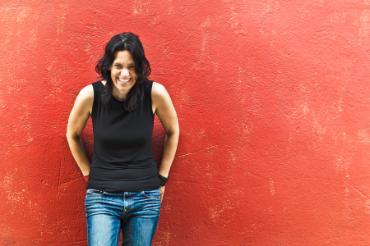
[[273, 99]]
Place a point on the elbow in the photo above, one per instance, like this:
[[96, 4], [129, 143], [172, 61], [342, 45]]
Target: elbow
[[72, 135], [68, 134], [68, 137], [174, 132]]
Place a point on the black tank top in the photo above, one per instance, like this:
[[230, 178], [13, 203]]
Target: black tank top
[[122, 154]]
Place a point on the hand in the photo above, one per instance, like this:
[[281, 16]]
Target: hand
[[162, 192]]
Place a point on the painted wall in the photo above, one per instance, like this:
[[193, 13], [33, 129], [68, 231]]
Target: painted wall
[[273, 100]]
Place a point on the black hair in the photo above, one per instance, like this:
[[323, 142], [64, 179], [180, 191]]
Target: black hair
[[120, 42]]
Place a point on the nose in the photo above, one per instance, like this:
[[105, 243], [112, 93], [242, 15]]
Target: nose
[[125, 72]]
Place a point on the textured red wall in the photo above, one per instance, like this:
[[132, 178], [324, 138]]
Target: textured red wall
[[274, 109]]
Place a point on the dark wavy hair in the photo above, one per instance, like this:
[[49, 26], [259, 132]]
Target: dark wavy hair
[[120, 42]]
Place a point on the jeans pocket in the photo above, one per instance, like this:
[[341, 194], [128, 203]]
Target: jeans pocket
[[155, 193], [93, 191]]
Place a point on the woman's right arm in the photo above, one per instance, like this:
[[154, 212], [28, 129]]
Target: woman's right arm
[[76, 122]]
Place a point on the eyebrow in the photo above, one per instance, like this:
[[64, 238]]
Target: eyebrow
[[130, 64]]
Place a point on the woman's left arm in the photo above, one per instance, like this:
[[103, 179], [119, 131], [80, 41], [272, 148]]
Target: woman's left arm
[[164, 109]]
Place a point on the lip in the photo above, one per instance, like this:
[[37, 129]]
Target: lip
[[124, 81]]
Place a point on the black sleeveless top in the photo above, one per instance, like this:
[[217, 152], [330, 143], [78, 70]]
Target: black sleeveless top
[[122, 155]]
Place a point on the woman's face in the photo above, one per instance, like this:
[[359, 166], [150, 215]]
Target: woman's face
[[123, 73]]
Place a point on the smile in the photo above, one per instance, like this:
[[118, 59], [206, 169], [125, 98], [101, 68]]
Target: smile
[[123, 81]]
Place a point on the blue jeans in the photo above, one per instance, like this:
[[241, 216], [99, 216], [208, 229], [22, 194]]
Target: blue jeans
[[136, 213]]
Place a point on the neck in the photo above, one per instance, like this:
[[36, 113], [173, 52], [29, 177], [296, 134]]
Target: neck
[[118, 96]]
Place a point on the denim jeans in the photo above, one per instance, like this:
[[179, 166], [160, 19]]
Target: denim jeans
[[136, 213]]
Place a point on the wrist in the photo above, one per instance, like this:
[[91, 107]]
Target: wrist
[[162, 179]]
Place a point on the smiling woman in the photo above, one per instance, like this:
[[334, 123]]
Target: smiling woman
[[123, 74], [125, 187]]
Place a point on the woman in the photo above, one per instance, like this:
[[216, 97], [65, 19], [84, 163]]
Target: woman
[[125, 188]]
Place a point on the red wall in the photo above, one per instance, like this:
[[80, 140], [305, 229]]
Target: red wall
[[274, 109]]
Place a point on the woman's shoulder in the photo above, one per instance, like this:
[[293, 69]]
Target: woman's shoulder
[[159, 94], [158, 89], [87, 92], [85, 98]]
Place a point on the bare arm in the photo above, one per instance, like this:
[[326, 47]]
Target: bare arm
[[76, 122], [166, 113]]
